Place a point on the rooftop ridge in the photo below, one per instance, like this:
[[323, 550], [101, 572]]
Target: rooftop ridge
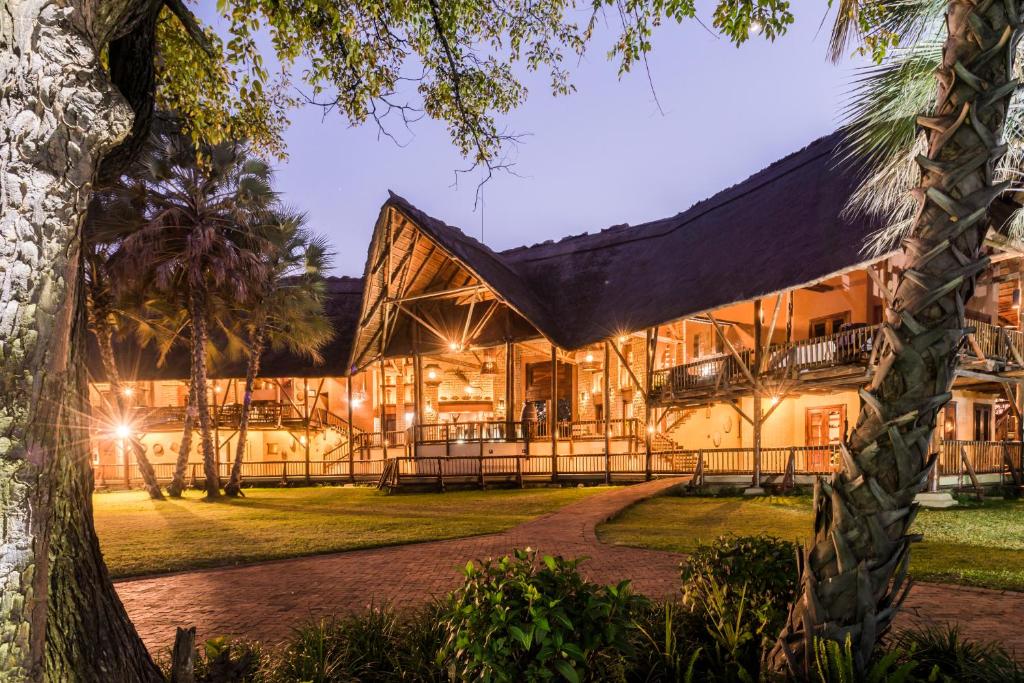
[[772, 173]]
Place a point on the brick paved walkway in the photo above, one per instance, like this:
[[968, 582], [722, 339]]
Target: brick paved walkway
[[264, 601]]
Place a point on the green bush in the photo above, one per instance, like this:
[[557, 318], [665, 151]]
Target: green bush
[[741, 587], [375, 646], [517, 619], [941, 654], [668, 644]]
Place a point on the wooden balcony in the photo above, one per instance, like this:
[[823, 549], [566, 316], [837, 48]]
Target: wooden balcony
[[839, 359], [262, 415]]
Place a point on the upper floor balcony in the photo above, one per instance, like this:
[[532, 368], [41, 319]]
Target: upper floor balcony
[[831, 360]]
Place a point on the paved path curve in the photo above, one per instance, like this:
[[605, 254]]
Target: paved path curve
[[264, 601]]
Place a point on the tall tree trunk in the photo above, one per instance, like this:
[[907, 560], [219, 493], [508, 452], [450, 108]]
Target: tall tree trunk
[[177, 484], [105, 339], [854, 574], [199, 337], [62, 619], [252, 370]]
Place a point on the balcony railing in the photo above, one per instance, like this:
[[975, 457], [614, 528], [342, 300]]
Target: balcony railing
[[261, 414], [849, 348]]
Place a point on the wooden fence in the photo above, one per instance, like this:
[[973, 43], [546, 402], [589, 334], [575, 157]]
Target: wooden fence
[[986, 457]]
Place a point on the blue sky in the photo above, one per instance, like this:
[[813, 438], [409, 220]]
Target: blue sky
[[600, 157]]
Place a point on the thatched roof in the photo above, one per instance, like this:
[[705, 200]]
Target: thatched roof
[[343, 298], [780, 228]]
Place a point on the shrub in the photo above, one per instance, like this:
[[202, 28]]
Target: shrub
[[376, 645], [517, 619], [941, 654], [668, 644], [741, 587]]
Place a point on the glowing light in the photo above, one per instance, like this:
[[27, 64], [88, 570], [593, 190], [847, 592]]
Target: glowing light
[[122, 431], [774, 400], [127, 391], [356, 401], [470, 389], [756, 27], [453, 346], [409, 417], [650, 429], [431, 374], [589, 357], [302, 440], [622, 339], [216, 389]]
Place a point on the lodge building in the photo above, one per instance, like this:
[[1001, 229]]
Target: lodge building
[[728, 341]]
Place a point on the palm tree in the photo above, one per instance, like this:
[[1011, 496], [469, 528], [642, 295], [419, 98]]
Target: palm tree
[[853, 575], [106, 314], [286, 311], [201, 231]]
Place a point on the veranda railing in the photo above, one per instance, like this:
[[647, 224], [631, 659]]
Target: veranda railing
[[848, 347], [986, 458]]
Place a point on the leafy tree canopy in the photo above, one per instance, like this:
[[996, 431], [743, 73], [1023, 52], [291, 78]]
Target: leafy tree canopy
[[400, 60]]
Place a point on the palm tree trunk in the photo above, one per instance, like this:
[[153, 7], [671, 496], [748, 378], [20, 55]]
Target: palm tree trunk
[[199, 337], [252, 369], [177, 484], [105, 339], [854, 575]]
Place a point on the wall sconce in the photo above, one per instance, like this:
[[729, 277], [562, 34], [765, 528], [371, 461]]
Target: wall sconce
[[432, 374], [429, 407], [584, 397], [501, 405]]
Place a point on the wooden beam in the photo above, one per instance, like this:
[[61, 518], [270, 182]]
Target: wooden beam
[[771, 333], [740, 411], [622, 359], [439, 294], [735, 354], [973, 374]]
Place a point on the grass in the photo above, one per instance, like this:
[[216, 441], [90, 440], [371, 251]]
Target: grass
[[140, 536], [977, 544]]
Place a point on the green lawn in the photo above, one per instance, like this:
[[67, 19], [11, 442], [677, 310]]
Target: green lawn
[[974, 544], [141, 536]]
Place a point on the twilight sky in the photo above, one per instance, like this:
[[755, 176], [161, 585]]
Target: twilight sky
[[600, 157]]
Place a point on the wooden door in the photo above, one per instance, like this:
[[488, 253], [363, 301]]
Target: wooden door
[[825, 427]]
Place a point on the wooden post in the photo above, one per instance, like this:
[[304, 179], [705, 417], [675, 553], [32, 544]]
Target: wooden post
[[510, 391], [382, 393], [758, 414], [351, 431], [183, 656], [650, 349], [606, 400], [553, 416], [480, 454], [305, 427], [417, 392], [789, 317]]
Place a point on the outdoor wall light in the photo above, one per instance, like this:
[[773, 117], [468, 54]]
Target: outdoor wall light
[[122, 431], [127, 391], [433, 373]]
